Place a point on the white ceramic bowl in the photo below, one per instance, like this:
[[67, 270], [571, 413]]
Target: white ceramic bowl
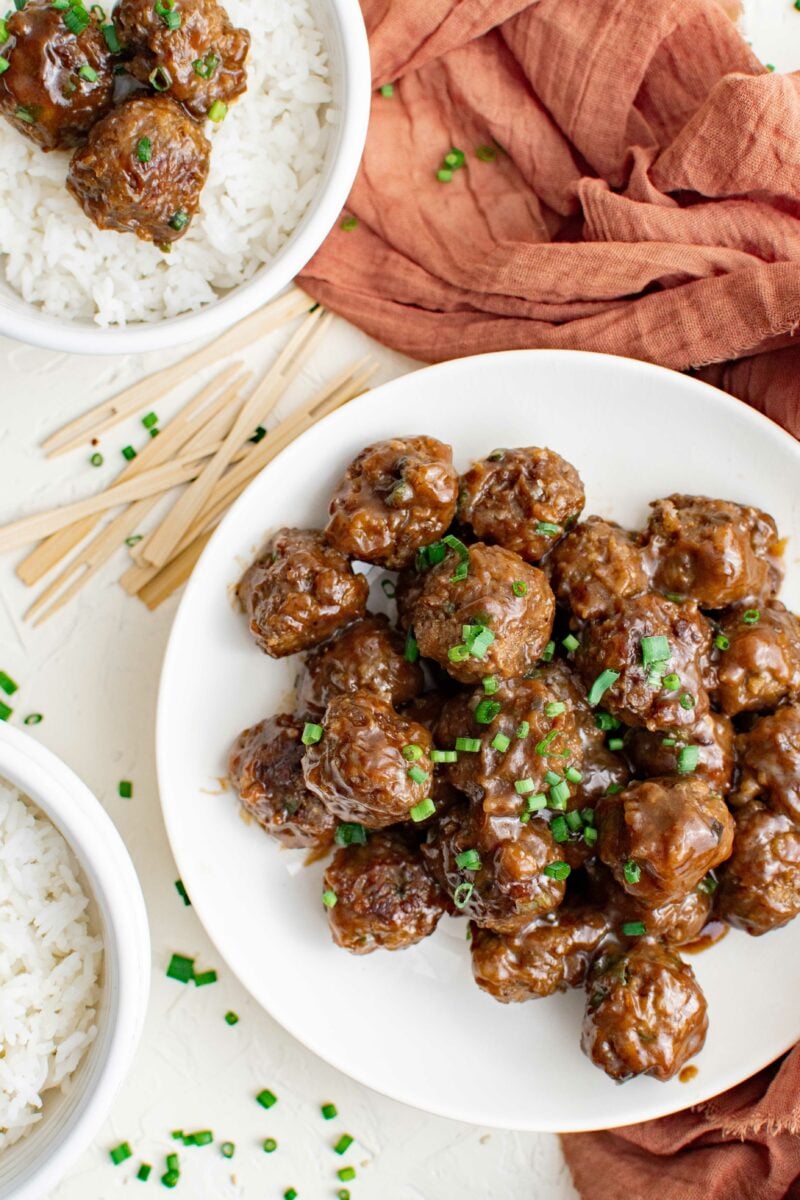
[[343, 28], [32, 1166]]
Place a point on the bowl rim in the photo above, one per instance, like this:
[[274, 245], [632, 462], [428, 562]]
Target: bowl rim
[[92, 836], [49, 332]]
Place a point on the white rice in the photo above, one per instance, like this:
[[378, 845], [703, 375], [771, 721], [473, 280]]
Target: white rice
[[265, 167], [50, 964]]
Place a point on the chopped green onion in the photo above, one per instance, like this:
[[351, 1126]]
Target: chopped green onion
[[411, 752], [555, 708], [7, 684], [88, 73], [270, 1145], [4, 65], [486, 711], [329, 899], [668, 741], [346, 1174], [109, 32], [290, 1194], [612, 789], [120, 1153], [547, 528], [348, 224], [344, 1143], [587, 816], [423, 810], [548, 652], [204, 978], [589, 835], [559, 795], [615, 743], [417, 775], [166, 9], [604, 681], [634, 928], [411, 651], [557, 870], [144, 153], [350, 833], [490, 684], [26, 115], [170, 1179], [687, 700], [688, 758], [444, 756], [134, 539], [76, 19], [468, 745], [479, 645], [33, 719], [552, 778], [708, 885], [128, 453], [203, 1137], [173, 1163], [605, 721], [444, 175], [160, 79], [655, 650], [205, 67], [543, 746], [312, 734], [180, 968], [559, 829], [523, 786], [468, 860], [177, 1134], [144, 1172], [671, 682], [387, 90], [655, 676], [231, 1018], [462, 894], [329, 1111], [535, 803], [125, 789], [181, 890], [522, 730], [429, 556], [150, 420], [455, 158], [266, 1098], [722, 642], [227, 1149], [574, 821], [631, 871], [573, 775], [519, 587], [751, 616], [5, 711], [500, 742], [178, 220], [458, 653], [570, 643], [486, 154], [218, 112], [343, 1193]]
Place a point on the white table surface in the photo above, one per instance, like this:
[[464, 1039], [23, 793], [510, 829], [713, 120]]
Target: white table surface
[[93, 672]]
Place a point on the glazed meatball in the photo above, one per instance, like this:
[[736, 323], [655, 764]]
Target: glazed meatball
[[658, 754], [408, 590], [384, 896], [299, 592], [366, 656], [142, 170], [371, 764], [193, 46], [266, 770], [57, 84], [495, 869], [677, 922], [760, 884], [521, 499], [761, 665], [645, 1013], [396, 497], [713, 551], [661, 837], [665, 694], [594, 567], [549, 955], [769, 762], [495, 621]]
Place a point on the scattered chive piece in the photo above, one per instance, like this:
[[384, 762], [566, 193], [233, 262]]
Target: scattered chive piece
[[708, 885], [128, 453], [547, 528], [389, 588], [231, 1018], [33, 719], [490, 685], [444, 175], [411, 651], [349, 224], [181, 890], [668, 741], [349, 833], [329, 899], [144, 1172], [573, 775], [535, 803], [134, 539], [548, 652], [519, 587], [180, 968], [125, 789], [96, 460], [109, 32], [601, 685], [687, 700], [270, 1145], [615, 743], [204, 978], [7, 684], [227, 1149], [120, 1153], [76, 18], [559, 795], [346, 1174], [411, 752], [329, 1111], [770, 66], [480, 643], [267, 1098], [344, 1143], [589, 835], [500, 742], [204, 1137], [423, 810], [343, 1193], [613, 788], [468, 745], [88, 73], [722, 642], [688, 758], [559, 829], [311, 734], [543, 746], [462, 894], [178, 220], [552, 778], [632, 871], [671, 681], [570, 643], [522, 730], [486, 154], [468, 860], [417, 775], [173, 1162], [444, 756], [751, 616], [5, 711], [4, 64], [634, 928], [387, 90], [455, 158], [655, 675], [486, 711], [26, 115], [557, 870], [150, 420], [458, 653], [170, 1179], [177, 1134], [523, 786], [655, 649], [605, 721], [587, 816], [574, 821], [555, 708], [290, 1194]]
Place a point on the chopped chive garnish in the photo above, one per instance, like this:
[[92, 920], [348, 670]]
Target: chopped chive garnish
[[144, 153], [552, 778], [179, 220], [350, 833], [547, 528], [671, 682], [170, 1179], [5, 711], [290, 1194], [468, 745], [634, 928], [389, 588], [266, 1098], [573, 775], [490, 684], [612, 789], [605, 721], [570, 643], [144, 1172], [411, 650], [559, 795], [329, 1111], [76, 19], [4, 63], [109, 32], [177, 1134], [270, 1145], [522, 730], [7, 684], [548, 652], [227, 1149], [205, 67], [346, 1174], [160, 79], [444, 175], [88, 73], [180, 968], [722, 642], [708, 885], [343, 1193], [311, 734], [204, 978], [751, 616], [387, 90], [128, 453], [96, 460], [557, 870], [544, 745], [479, 644], [329, 899], [687, 700], [348, 224], [574, 821], [203, 1137], [500, 742], [535, 803], [655, 649], [519, 587], [559, 829], [417, 775], [688, 758], [589, 835], [181, 890], [462, 894], [615, 743], [423, 810], [173, 1162], [150, 420], [134, 539], [455, 158], [166, 9], [26, 115], [631, 871], [33, 719], [231, 1018], [344, 1143], [468, 860], [125, 789], [486, 711], [458, 653], [120, 1153], [555, 708], [444, 756], [601, 685], [411, 752], [587, 816], [218, 112], [523, 786], [668, 741]]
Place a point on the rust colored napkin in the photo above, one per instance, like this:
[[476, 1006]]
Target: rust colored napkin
[[646, 201]]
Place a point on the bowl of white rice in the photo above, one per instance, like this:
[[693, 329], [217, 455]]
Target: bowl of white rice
[[74, 966], [282, 164]]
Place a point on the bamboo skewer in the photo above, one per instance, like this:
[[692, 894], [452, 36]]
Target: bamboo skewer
[[104, 416]]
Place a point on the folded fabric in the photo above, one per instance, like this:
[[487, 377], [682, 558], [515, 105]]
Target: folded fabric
[[631, 185]]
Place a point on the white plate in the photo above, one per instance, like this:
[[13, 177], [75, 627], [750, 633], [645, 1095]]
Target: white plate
[[412, 1024]]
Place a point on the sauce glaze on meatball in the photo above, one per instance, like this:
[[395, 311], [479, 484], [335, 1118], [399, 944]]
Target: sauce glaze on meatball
[[712, 735], [595, 566], [760, 884], [769, 762], [548, 955], [761, 665], [365, 656]]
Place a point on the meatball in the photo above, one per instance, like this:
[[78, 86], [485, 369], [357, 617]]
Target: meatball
[[266, 770], [371, 764], [365, 656], [142, 170], [761, 665], [198, 54], [662, 836], [675, 922], [521, 499], [548, 955], [498, 871], [396, 497], [384, 896], [408, 590], [495, 620], [645, 1013], [769, 762], [594, 567], [760, 884], [299, 592], [713, 551], [616, 659], [657, 754], [57, 83]]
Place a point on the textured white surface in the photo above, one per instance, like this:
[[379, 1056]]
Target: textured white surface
[[93, 671]]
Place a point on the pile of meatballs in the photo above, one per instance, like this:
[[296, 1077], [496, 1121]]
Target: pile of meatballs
[[584, 740], [127, 92]]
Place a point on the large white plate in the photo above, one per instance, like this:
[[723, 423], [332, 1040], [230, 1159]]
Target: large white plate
[[412, 1024]]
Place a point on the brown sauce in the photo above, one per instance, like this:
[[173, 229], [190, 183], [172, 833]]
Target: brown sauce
[[713, 932], [688, 1074]]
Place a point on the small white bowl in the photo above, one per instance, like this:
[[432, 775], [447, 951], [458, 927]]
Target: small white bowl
[[342, 26], [33, 1166]]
